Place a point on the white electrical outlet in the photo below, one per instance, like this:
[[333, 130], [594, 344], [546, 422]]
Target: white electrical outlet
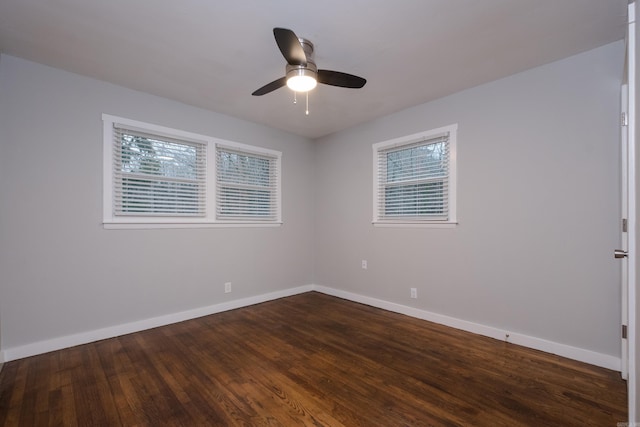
[[414, 293], [227, 287], [364, 264]]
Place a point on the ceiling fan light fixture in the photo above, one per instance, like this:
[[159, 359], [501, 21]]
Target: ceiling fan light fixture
[[301, 72], [301, 79]]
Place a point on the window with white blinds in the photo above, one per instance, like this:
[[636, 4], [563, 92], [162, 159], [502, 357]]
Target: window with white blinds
[[414, 180], [158, 177], [246, 185]]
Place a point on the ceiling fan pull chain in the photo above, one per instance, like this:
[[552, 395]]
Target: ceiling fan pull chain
[[295, 97], [307, 112]]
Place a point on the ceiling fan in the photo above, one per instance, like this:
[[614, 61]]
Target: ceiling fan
[[302, 74]]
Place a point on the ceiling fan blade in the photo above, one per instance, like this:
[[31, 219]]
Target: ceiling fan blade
[[290, 46], [336, 78], [270, 87]]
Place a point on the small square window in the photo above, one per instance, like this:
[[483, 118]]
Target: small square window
[[414, 180], [158, 176]]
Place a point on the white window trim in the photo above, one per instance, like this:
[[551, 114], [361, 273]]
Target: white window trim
[[452, 220], [111, 221]]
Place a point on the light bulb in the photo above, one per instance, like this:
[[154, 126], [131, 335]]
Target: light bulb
[[301, 83]]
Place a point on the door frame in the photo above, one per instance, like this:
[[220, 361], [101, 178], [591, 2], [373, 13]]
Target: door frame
[[624, 235], [630, 69]]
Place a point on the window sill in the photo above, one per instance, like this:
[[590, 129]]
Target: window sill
[[162, 225], [415, 224]]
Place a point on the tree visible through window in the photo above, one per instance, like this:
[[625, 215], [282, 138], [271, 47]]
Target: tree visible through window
[[158, 176], [246, 185], [415, 181], [415, 178]]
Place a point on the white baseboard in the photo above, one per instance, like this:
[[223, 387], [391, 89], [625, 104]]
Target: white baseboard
[[575, 353], [587, 356], [46, 346]]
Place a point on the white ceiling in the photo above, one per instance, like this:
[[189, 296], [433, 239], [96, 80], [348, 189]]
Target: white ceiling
[[214, 53]]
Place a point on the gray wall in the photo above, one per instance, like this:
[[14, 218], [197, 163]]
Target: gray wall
[[538, 197], [538, 206], [62, 273]]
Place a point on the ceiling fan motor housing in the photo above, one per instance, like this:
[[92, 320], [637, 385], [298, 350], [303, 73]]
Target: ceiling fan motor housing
[[310, 69]]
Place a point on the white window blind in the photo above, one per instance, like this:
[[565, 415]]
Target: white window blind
[[413, 178], [157, 176], [246, 185]]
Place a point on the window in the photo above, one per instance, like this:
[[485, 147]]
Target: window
[[246, 185], [414, 179], [157, 176], [161, 177]]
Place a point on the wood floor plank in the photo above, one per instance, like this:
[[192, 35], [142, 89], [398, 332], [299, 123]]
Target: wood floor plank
[[307, 360]]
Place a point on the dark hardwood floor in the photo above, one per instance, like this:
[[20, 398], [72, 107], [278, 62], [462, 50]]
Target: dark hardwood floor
[[307, 360]]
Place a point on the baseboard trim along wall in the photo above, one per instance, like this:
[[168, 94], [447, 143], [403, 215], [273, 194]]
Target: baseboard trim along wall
[[575, 353], [53, 344]]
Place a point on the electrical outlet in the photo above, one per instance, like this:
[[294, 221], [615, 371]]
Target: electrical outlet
[[227, 287], [364, 264], [414, 293]]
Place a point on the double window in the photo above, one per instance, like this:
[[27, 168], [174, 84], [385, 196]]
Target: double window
[[157, 176], [414, 179]]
